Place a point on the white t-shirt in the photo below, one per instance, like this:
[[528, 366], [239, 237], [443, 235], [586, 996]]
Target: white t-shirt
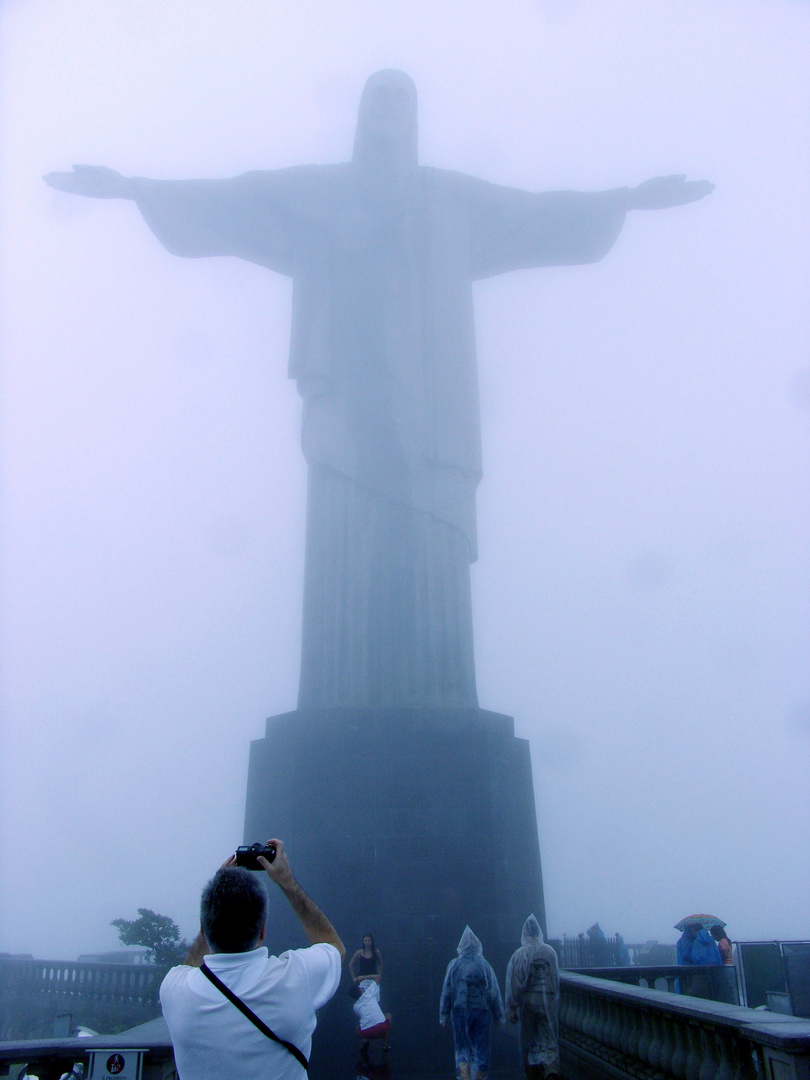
[[212, 1039], [367, 1006]]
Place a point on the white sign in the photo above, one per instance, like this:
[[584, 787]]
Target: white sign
[[115, 1064]]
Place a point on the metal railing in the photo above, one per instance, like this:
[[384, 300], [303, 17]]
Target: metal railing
[[714, 983]]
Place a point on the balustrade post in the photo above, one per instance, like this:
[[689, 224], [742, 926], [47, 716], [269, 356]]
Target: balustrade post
[[613, 1034], [600, 1021], [588, 1017], [694, 1051], [569, 1002], [634, 1033], [656, 1041], [711, 1062], [626, 1033], [643, 1044], [727, 1055], [666, 1052]]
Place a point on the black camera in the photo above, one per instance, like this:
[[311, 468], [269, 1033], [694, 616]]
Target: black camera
[[246, 855]]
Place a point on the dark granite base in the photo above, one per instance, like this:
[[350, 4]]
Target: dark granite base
[[407, 824]]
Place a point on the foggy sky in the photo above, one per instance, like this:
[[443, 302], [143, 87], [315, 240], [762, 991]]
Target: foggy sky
[[641, 599]]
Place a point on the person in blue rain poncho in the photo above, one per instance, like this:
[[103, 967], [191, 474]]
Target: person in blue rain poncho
[[471, 997], [697, 948], [533, 999], [683, 946], [704, 950]]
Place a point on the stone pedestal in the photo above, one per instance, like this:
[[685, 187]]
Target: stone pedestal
[[407, 824]]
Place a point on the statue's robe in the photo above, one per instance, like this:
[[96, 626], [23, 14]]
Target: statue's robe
[[383, 350]]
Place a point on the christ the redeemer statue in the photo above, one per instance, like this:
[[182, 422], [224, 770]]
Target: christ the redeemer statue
[[383, 253]]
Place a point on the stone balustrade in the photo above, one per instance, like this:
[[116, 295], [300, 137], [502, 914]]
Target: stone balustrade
[[611, 1030], [102, 996]]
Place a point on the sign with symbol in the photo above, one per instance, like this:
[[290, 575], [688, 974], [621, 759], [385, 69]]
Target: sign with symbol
[[120, 1064]]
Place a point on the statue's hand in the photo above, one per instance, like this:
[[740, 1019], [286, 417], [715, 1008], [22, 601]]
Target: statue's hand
[[95, 181], [664, 191]]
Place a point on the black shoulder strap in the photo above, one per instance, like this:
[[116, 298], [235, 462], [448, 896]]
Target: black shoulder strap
[[251, 1015]]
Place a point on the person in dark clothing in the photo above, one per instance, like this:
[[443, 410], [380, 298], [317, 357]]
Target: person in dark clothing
[[684, 944], [367, 962], [597, 946], [723, 944]]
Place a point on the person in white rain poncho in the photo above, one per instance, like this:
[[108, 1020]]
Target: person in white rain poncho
[[471, 997], [533, 998]]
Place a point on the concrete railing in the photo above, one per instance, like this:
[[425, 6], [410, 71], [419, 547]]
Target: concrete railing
[[102, 996], [609, 1030]]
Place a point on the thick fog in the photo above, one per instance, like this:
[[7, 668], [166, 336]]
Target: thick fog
[[641, 595]]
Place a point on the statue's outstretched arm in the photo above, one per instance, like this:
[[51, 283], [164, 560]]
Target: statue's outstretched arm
[[662, 192], [248, 216], [94, 181], [513, 229]]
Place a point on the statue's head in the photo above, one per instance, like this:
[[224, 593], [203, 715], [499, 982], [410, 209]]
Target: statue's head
[[386, 120]]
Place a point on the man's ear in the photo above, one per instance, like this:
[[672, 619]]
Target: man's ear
[[261, 935], [202, 934]]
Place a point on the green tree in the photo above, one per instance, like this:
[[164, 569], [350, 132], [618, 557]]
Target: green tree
[[159, 933]]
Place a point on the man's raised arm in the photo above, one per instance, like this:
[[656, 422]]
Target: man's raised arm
[[316, 925]]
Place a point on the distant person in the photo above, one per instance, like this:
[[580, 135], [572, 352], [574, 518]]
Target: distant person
[[723, 944], [597, 946], [471, 997], [697, 948], [533, 1000], [683, 954], [622, 952], [212, 1037], [367, 962], [683, 947], [372, 1022], [724, 981], [705, 952]]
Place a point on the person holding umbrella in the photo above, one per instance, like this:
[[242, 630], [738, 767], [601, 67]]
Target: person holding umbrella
[[697, 947]]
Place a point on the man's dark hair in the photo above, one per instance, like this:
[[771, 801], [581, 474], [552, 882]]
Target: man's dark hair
[[233, 910]]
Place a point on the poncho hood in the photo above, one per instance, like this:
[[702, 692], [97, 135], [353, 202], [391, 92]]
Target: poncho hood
[[532, 934], [469, 945]]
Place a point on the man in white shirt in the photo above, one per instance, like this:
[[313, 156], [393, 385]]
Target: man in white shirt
[[212, 1038]]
